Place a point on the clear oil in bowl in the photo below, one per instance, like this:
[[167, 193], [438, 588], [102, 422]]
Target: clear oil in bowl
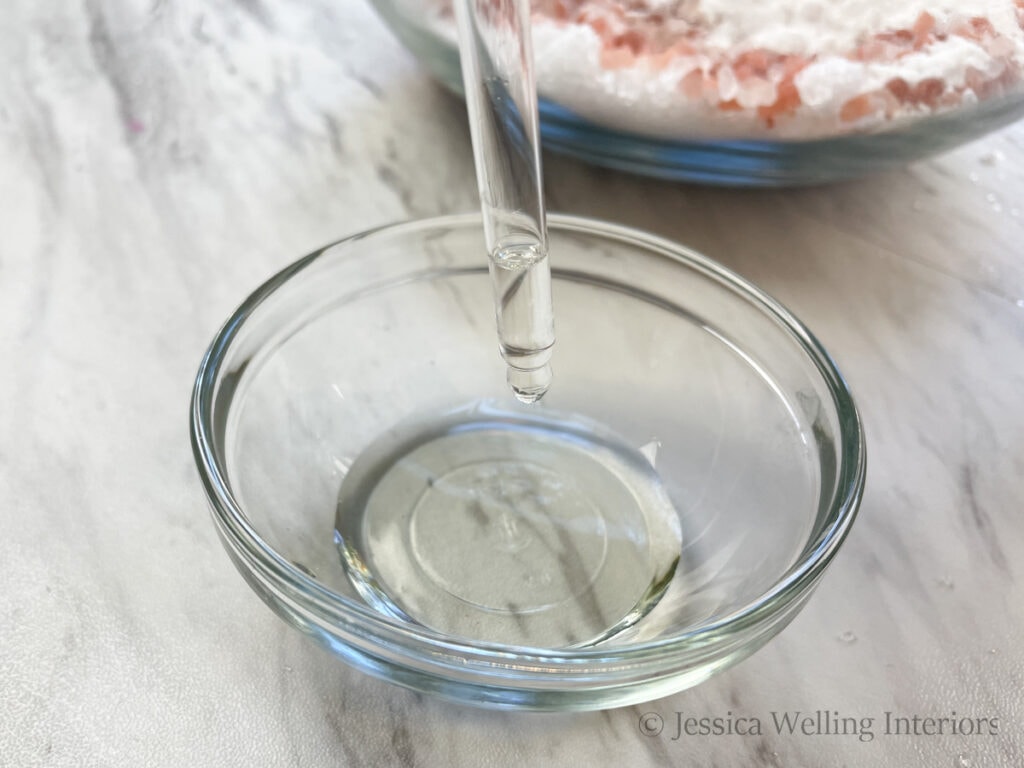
[[515, 525]]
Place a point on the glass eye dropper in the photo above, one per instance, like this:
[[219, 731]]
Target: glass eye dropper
[[501, 97]]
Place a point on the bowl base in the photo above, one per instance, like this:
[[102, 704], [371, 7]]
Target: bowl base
[[507, 523]]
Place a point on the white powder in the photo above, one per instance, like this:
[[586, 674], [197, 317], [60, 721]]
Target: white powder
[[771, 68]]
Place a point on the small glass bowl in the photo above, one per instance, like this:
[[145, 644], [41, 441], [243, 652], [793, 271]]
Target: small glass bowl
[[709, 152], [744, 416]]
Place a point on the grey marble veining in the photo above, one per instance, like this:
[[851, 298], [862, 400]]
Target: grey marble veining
[[158, 160]]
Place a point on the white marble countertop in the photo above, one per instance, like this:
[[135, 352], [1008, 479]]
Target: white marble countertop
[[158, 160]]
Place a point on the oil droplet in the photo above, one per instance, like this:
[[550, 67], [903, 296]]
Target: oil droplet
[[946, 583], [529, 386], [848, 637], [1020, 302], [975, 178], [991, 197], [1015, 212], [962, 761]]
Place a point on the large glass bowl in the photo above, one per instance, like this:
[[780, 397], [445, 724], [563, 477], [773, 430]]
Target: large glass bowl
[[725, 395], [728, 146]]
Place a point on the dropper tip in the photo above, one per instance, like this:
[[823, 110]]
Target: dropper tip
[[529, 385]]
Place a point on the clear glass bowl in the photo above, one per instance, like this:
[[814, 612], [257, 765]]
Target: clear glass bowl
[[717, 389], [613, 118]]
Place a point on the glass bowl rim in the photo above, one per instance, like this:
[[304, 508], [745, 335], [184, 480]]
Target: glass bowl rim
[[265, 563]]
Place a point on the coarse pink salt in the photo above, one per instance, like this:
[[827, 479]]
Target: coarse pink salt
[[775, 68]]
